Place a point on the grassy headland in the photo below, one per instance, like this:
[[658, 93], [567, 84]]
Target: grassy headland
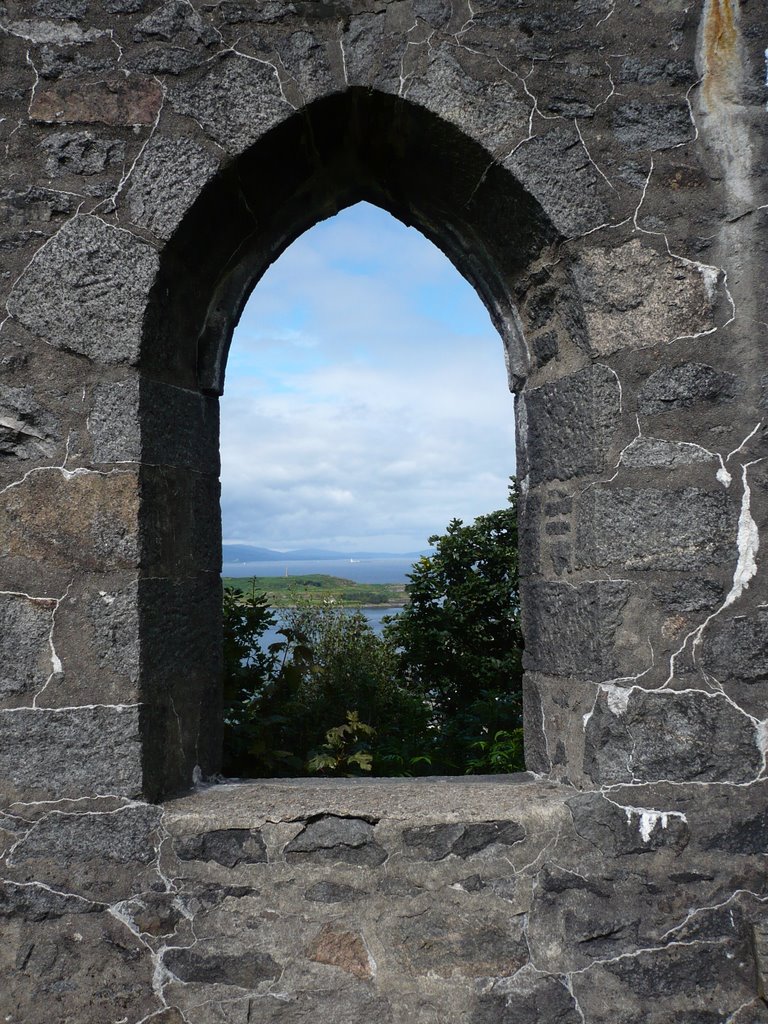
[[288, 591]]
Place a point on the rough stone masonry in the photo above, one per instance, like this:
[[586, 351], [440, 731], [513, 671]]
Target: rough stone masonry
[[596, 169]]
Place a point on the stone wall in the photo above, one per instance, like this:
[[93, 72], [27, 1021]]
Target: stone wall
[[596, 170]]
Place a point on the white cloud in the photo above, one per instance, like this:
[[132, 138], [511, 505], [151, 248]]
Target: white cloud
[[366, 402]]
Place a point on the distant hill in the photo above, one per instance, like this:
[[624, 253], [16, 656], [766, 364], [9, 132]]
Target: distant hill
[[251, 553]]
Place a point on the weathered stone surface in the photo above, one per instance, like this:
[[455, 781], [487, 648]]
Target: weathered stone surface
[[27, 429], [101, 855], [442, 86], [686, 385], [618, 830], [330, 838], [61, 296], [653, 125], [737, 648], [559, 184], [164, 424], [332, 892], [236, 101], [689, 595], [433, 842], [635, 297], [529, 997], [692, 735], [245, 970], [656, 453], [742, 837], [178, 21], [80, 520], [570, 630], [82, 153], [649, 528], [569, 425], [25, 652], [228, 847], [34, 902], [345, 950], [166, 180], [52, 754], [553, 168], [451, 945], [114, 101]]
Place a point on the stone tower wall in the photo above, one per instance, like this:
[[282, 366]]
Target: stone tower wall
[[595, 168]]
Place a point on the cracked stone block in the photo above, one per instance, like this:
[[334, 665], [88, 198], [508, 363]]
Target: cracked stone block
[[67, 9], [177, 21], [115, 101], [76, 967], [100, 855], [736, 649], [602, 920], [249, 970], [661, 976], [166, 180], [330, 838], [25, 651], [570, 630], [228, 847], [155, 914], [685, 386], [444, 88], [553, 168], [688, 595], [27, 430], [144, 420], [236, 102], [646, 736], [528, 998], [85, 291], [619, 831], [635, 297], [434, 842], [656, 453], [653, 125], [451, 943], [569, 425], [48, 754], [651, 528], [38, 903], [82, 153], [81, 521]]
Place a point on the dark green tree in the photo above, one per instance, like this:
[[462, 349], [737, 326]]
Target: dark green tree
[[459, 639]]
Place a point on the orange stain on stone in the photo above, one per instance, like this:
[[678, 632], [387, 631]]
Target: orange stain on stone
[[720, 40]]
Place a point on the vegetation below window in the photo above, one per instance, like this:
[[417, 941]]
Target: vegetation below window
[[439, 693]]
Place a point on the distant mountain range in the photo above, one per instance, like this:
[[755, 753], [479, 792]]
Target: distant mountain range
[[251, 553]]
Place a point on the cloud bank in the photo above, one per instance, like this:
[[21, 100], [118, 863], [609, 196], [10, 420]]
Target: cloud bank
[[366, 401]]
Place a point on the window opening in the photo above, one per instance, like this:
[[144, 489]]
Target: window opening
[[366, 409]]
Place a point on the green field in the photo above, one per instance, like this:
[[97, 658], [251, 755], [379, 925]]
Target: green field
[[288, 591]]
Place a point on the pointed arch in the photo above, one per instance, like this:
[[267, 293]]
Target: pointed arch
[[351, 146]]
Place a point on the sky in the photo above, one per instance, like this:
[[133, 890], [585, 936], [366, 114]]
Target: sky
[[366, 401]]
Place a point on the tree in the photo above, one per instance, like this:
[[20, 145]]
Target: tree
[[459, 639]]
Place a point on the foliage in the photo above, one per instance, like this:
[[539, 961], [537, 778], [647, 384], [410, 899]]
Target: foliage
[[438, 693], [344, 751], [460, 634]]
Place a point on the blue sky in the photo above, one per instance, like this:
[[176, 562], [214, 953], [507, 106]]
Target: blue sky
[[366, 401]]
